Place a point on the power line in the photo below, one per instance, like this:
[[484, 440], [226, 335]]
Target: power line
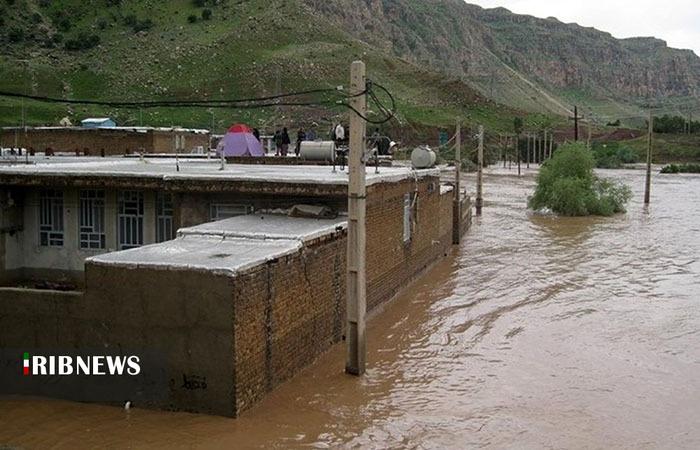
[[243, 103]]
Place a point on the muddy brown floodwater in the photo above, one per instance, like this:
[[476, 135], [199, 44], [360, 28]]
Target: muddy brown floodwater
[[539, 332]]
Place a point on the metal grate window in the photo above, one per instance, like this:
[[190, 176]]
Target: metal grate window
[[221, 211], [51, 218], [406, 217], [130, 219], [92, 219], [164, 217]]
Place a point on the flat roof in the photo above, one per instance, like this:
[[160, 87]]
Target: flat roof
[[268, 226], [137, 129], [200, 169], [228, 246]]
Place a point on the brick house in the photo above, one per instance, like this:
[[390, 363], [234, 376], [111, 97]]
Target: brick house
[[108, 141], [242, 296]]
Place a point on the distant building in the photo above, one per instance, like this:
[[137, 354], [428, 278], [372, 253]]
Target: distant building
[[98, 122], [97, 141], [202, 266]]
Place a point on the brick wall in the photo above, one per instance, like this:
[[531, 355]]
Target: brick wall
[[248, 333], [114, 142]]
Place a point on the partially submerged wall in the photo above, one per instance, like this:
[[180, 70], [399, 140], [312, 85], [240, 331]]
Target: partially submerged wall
[[243, 334]]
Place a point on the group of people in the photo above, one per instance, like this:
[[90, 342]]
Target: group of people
[[283, 141], [338, 134]]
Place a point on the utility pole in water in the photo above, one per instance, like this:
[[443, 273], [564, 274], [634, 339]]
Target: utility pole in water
[[480, 173], [528, 151], [357, 189], [457, 206], [575, 119], [647, 186]]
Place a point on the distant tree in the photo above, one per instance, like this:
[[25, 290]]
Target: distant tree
[[199, 3], [613, 124], [518, 125], [206, 14], [102, 23], [191, 18]]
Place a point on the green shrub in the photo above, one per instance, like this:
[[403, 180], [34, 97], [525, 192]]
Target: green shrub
[[681, 168], [16, 35], [191, 18], [567, 186], [83, 41], [206, 14], [612, 155]]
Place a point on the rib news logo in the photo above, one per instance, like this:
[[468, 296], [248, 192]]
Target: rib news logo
[[81, 365]]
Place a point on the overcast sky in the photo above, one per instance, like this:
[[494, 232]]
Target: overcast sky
[[675, 21]]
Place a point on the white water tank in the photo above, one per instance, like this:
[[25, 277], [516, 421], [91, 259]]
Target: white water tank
[[317, 150], [423, 157]]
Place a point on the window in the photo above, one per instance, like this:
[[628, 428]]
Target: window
[[164, 217], [221, 211], [406, 217], [51, 218], [92, 219], [130, 219]]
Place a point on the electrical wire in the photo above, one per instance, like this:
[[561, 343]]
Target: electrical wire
[[243, 103]]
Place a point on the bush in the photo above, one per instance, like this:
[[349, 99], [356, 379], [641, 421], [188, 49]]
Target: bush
[[199, 3], [16, 35], [191, 18], [83, 41], [681, 168], [102, 23], [130, 20], [142, 25], [206, 14], [612, 156], [567, 186]]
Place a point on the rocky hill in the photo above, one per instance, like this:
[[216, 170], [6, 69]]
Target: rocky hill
[[442, 59], [522, 60]]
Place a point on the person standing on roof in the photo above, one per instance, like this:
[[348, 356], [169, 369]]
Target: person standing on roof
[[339, 134], [277, 138], [285, 141], [301, 136]]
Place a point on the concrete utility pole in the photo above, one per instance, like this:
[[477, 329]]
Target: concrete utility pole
[[576, 118], [544, 152], [588, 143], [357, 189], [551, 144], [480, 173], [457, 206], [517, 151], [528, 151], [647, 187]]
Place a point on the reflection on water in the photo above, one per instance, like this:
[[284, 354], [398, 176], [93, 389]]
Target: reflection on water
[[538, 332]]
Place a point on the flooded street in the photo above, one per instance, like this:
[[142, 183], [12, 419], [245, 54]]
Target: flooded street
[[539, 332]]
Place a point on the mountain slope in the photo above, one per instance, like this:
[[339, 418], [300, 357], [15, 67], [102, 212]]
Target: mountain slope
[[522, 60], [247, 48]]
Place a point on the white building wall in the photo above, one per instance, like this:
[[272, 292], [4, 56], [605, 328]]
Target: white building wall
[[23, 249]]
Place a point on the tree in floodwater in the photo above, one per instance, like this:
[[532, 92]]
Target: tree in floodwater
[[567, 186]]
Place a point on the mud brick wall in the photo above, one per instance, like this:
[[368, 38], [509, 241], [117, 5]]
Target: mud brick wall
[[92, 141], [286, 313], [289, 311], [391, 262], [183, 316]]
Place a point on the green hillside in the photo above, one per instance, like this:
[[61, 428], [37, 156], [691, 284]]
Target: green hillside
[[167, 50]]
